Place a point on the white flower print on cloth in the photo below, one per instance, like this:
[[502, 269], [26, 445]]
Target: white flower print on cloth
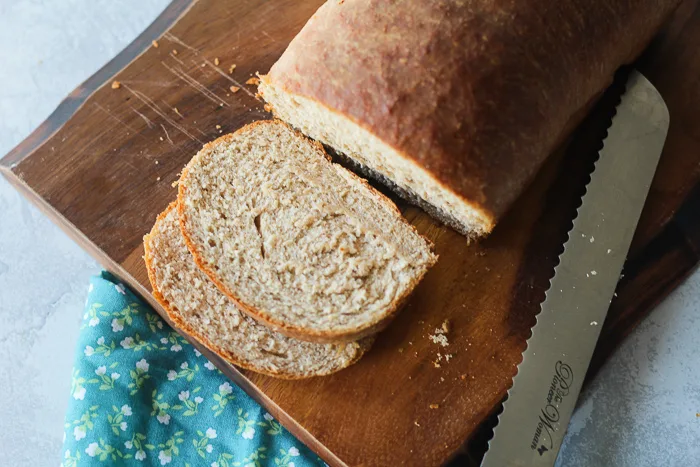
[[164, 458], [91, 450], [117, 325], [79, 393], [140, 397], [142, 365], [248, 433], [127, 342], [79, 433]]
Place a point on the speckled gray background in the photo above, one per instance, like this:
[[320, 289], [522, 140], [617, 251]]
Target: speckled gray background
[[640, 411]]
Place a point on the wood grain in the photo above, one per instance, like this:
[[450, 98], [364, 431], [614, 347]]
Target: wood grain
[[103, 164]]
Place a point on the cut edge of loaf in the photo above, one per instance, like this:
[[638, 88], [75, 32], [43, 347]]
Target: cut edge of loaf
[[444, 204], [363, 345], [298, 332], [407, 195]]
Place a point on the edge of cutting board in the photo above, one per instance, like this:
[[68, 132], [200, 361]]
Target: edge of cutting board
[[65, 110]]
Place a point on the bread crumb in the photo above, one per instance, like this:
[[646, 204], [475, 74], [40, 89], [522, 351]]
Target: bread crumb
[[116, 84], [446, 326], [175, 183], [253, 80], [439, 339], [157, 179], [609, 251], [174, 51], [218, 127], [155, 44], [161, 138], [267, 107], [448, 357], [415, 422], [436, 364], [216, 61], [234, 89], [594, 273], [400, 349], [697, 414], [177, 112], [592, 239], [156, 162], [463, 377], [442, 379], [231, 68], [434, 406]]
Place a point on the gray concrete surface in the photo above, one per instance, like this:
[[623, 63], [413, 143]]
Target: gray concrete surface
[[640, 411]]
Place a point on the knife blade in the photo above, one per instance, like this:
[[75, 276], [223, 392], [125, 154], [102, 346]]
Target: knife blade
[[541, 401]]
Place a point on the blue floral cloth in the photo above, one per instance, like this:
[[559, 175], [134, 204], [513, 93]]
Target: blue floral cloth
[[141, 395]]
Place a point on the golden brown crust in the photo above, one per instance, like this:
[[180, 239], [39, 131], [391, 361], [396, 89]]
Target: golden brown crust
[[177, 320], [309, 335], [477, 93]]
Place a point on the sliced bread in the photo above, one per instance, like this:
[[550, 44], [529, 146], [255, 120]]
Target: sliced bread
[[456, 104], [196, 306], [298, 242]]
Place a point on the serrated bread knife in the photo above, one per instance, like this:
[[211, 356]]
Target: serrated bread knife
[[536, 414]]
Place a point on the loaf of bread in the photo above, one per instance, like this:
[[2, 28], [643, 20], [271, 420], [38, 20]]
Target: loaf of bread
[[297, 242], [196, 306], [456, 104]]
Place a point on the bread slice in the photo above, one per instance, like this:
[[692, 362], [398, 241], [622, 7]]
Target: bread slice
[[296, 241], [196, 306], [455, 104]]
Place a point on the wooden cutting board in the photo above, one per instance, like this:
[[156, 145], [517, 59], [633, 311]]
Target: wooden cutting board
[[102, 167]]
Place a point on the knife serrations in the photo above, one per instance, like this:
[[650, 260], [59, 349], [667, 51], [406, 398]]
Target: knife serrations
[[549, 378]]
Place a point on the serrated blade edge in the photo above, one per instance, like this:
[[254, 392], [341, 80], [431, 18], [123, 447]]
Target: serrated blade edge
[[543, 395]]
